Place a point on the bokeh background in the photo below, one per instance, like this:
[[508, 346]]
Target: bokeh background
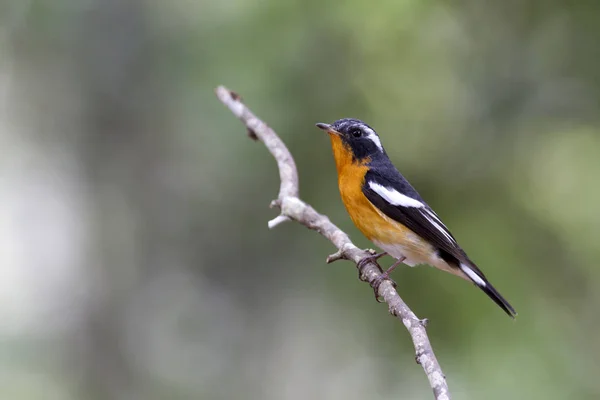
[[135, 257]]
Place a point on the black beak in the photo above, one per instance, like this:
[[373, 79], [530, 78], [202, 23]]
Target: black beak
[[327, 128]]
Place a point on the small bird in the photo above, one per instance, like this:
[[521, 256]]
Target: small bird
[[390, 212]]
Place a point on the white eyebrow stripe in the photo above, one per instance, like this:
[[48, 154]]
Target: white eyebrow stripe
[[372, 136], [394, 197]]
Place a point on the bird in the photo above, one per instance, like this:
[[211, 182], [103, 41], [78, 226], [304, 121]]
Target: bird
[[386, 208]]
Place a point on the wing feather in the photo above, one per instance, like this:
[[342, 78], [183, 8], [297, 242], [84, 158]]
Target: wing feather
[[412, 212], [397, 199]]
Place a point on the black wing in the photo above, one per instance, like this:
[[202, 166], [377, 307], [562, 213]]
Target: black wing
[[421, 220], [416, 215]]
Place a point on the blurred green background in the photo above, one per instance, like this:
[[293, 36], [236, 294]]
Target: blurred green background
[[135, 257]]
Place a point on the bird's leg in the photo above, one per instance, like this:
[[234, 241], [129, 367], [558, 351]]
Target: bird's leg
[[372, 258], [386, 275]]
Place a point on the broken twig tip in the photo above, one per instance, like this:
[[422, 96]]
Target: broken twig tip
[[338, 255], [277, 221]]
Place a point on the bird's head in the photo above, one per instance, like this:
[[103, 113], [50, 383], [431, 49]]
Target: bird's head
[[353, 141]]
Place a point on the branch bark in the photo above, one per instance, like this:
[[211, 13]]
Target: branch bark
[[292, 208]]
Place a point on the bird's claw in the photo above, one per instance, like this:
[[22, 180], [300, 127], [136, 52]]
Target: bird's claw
[[384, 275], [366, 260], [377, 283]]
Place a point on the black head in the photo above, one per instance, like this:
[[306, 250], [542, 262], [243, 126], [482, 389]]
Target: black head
[[358, 136]]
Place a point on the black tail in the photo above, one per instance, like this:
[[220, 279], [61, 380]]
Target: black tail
[[477, 277]]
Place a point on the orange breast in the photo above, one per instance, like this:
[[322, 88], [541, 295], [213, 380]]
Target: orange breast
[[371, 222]]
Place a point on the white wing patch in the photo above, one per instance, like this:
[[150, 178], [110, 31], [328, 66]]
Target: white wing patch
[[394, 197], [372, 136], [435, 221], [469, 272]]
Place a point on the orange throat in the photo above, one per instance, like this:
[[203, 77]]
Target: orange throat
[[342, 153]]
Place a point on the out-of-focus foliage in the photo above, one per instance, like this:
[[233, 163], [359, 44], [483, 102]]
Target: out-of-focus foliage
[[134, 254]]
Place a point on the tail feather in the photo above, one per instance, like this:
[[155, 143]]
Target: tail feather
[[480, 281]]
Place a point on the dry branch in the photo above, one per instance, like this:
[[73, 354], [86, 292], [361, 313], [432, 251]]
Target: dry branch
[[292, 208]]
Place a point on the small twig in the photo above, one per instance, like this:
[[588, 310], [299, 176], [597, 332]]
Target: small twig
[[278, 220], [338, 255], [295, 209]]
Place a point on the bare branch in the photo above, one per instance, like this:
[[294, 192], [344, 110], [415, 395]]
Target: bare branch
[[293, 208]]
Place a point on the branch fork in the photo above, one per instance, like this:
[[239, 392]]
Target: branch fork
[[293, 208]]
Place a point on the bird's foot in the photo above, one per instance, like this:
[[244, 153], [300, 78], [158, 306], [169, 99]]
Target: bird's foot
[[378, 281], [366, 260], [385, 276]]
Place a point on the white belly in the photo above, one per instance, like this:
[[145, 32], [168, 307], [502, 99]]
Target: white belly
[[413, 258], [417, 252]]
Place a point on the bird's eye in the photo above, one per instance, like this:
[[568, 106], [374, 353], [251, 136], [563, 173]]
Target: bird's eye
[[356, 132]]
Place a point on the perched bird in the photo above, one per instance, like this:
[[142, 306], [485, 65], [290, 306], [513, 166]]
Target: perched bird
[[390, 212]]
